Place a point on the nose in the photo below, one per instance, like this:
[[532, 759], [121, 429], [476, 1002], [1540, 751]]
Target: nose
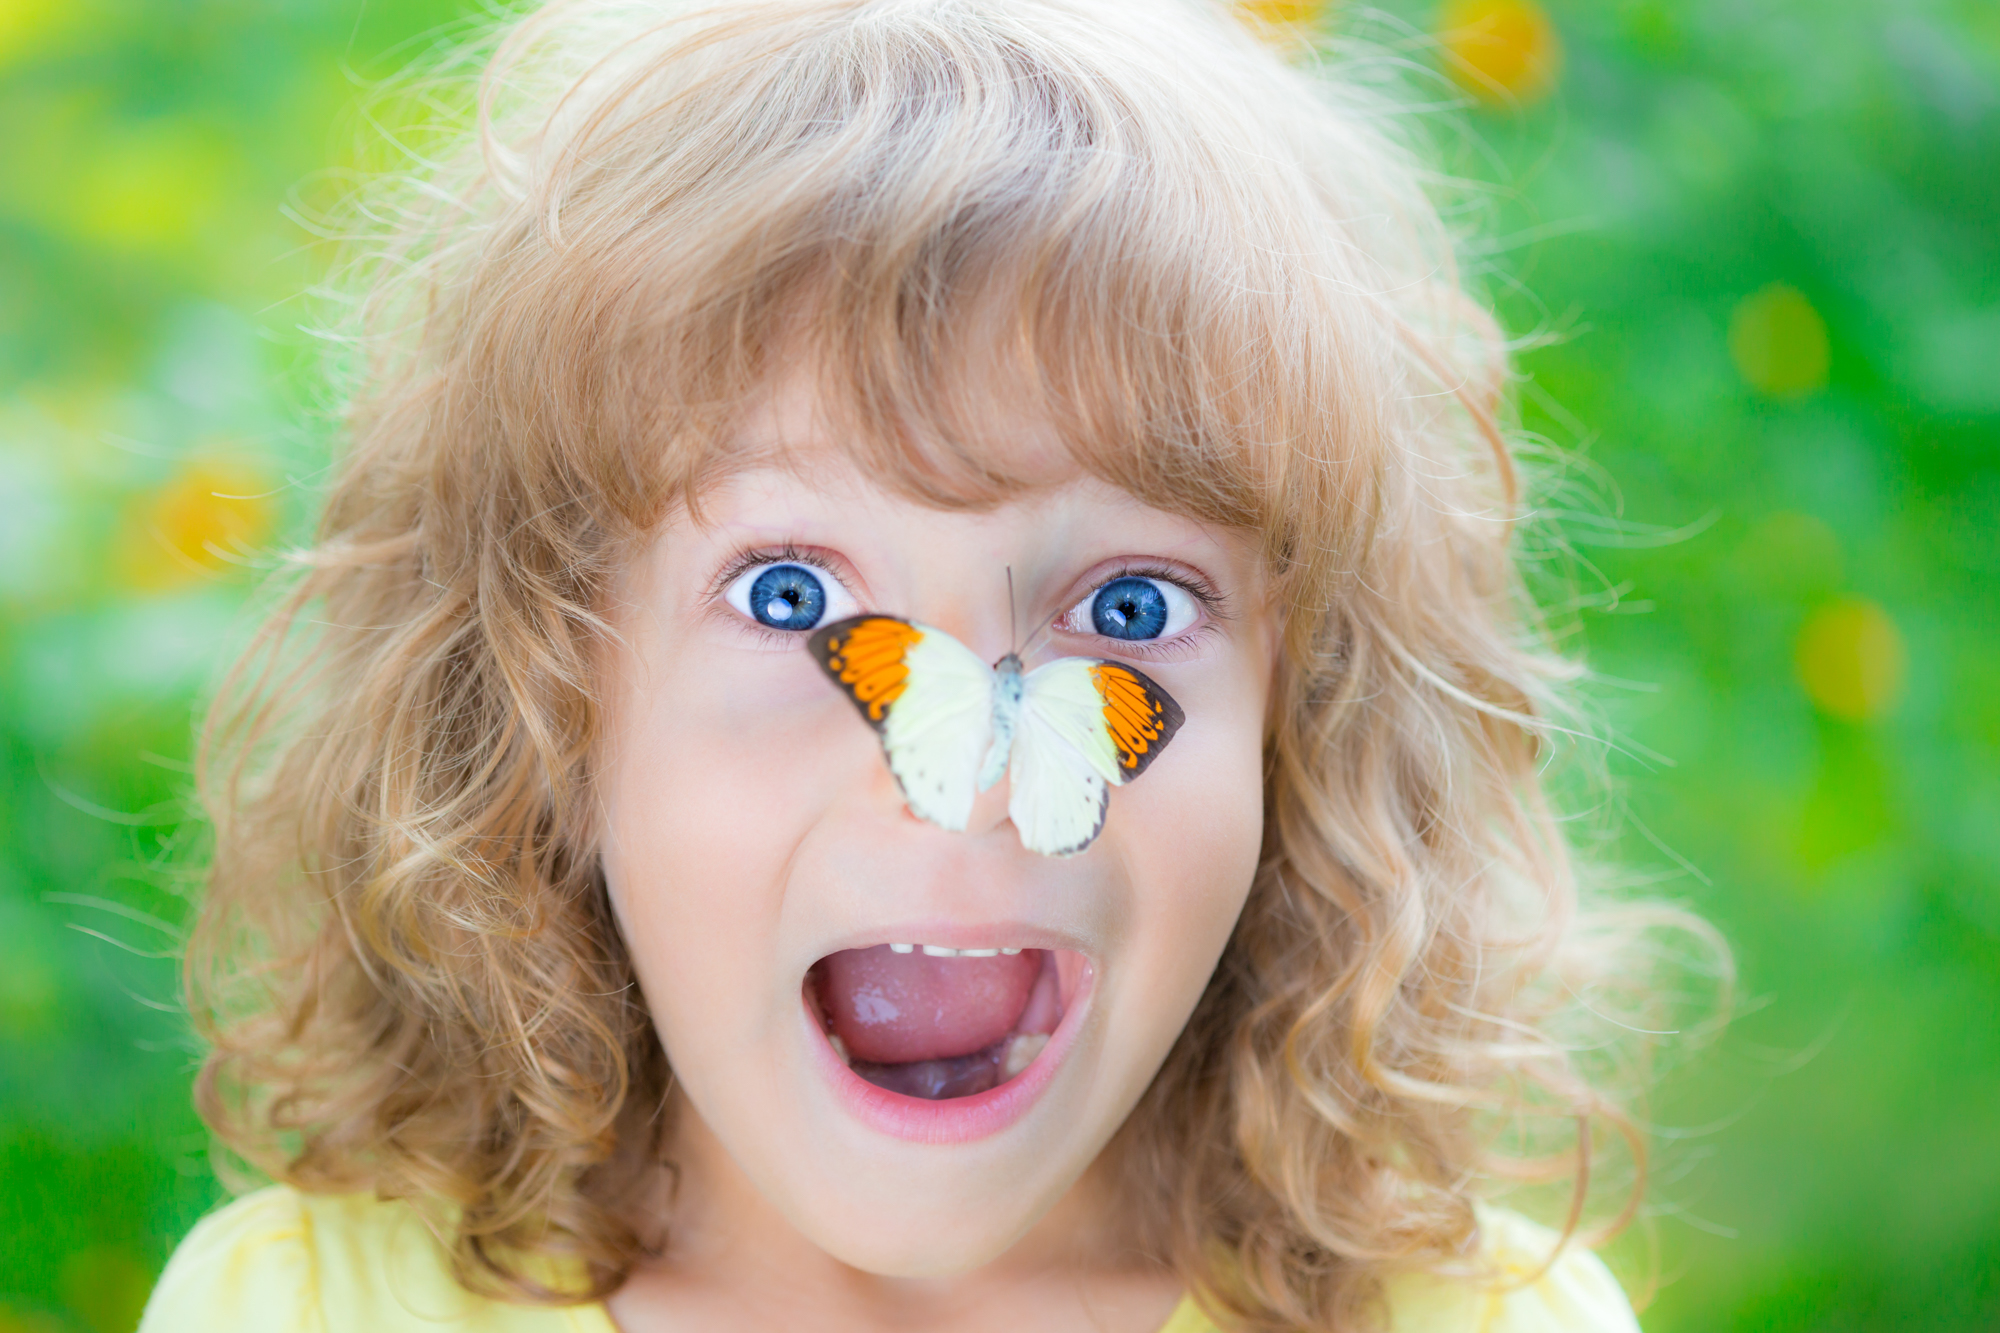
[[989, 809]]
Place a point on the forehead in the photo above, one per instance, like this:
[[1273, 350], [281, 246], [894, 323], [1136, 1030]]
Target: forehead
[[791, 471], [806, 426], [820, 497], [827, 490]]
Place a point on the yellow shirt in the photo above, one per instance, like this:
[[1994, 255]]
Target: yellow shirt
[[279, 1261]]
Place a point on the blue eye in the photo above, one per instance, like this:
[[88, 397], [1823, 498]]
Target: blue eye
[[1129, 608], [787, 597], [1134, 608]]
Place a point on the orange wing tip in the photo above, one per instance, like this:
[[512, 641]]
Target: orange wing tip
[[1140, 716], [863, 657]]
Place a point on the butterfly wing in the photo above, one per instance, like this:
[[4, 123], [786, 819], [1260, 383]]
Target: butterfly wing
[[1139, 716], [930, 699], [1061, 762], [1086, 726]]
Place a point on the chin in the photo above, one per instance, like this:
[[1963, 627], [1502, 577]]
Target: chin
[[952, 1233]]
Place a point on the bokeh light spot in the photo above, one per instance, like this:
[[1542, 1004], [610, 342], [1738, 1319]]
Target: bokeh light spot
[[1500, 50], [29, 995], [107, 1286], [1287, 24], [158, 187], [1282, 13], [176, 534], [26, 24], [1778, 342], [1851, 659], [1791, 553]]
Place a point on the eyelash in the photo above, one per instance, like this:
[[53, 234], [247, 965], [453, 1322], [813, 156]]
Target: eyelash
[[787, 554], [744, 561], [1205, 597]]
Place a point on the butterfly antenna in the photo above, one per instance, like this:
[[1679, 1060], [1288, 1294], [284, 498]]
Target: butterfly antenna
[[1021, 650]]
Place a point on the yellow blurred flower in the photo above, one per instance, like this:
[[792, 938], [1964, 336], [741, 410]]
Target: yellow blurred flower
[[1778, 342], [1500, 50], [1282, 13], [1852, 660], [181, 532], [155, 187], [26, 24], [1287, 24]]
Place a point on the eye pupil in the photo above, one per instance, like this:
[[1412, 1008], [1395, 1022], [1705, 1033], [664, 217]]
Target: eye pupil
[[788, 597], [1129, 608]]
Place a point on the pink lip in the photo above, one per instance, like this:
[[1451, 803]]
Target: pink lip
[[956, 1119]]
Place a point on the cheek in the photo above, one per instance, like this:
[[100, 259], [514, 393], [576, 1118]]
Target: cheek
[[1196, 827], [719, 765], [1189, 836]]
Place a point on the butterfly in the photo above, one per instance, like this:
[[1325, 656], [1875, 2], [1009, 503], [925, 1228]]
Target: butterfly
[[951, 726]]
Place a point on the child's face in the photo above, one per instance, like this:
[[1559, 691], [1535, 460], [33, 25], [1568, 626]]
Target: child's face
[[761, 860]]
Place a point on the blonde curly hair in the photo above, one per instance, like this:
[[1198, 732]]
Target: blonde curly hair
[[1232, 297]]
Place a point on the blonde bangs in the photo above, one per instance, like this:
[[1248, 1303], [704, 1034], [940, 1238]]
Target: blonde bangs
[[964, 218]]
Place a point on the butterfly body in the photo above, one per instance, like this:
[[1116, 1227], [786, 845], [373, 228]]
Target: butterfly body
[[951, 726], [1009, 689]]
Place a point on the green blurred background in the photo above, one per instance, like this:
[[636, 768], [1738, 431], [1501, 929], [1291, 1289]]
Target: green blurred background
[[1763, 233]]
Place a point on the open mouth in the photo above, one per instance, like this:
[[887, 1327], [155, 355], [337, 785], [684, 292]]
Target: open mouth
[[938, 1023]]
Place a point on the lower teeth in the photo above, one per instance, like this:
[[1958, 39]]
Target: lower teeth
[[1021, 1052]]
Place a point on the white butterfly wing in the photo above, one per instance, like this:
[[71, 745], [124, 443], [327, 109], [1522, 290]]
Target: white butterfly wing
[[939, 728], [1063, 761], [1081, 726]]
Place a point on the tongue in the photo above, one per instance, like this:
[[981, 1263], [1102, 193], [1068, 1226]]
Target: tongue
[[893, 1008]]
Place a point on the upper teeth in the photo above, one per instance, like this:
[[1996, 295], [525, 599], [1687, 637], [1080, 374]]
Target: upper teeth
[[940, 951]]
